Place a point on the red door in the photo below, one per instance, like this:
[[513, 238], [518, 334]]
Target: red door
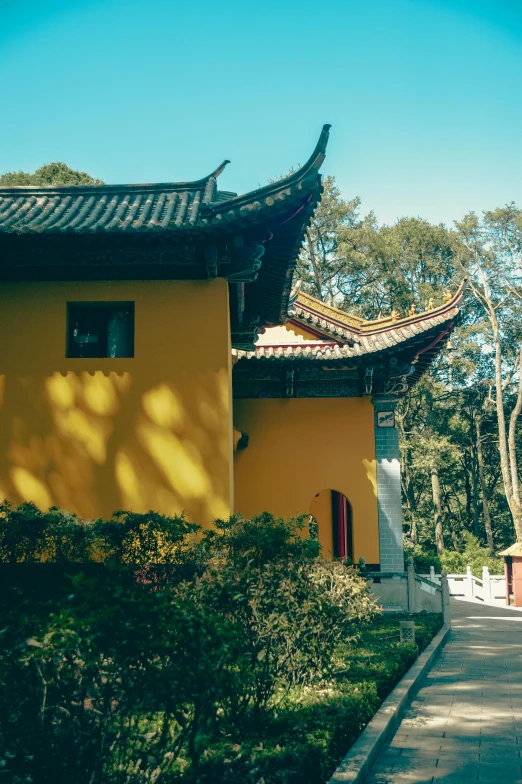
[[342, 526]]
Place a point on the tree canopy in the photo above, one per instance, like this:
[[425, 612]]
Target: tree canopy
[[459, 427], [56, 173]]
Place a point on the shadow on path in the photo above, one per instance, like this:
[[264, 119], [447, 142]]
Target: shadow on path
[[465, 724]]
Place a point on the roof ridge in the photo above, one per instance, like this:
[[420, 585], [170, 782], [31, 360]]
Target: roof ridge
[[345, 318], [115, 188], [187, 206], [379, 324], [366, 327]]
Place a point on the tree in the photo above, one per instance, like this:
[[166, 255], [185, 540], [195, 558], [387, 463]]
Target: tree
[[323, 257], [368, 269], [50, 174], [492, 258], [483, 485], [449, 425], [391, 267]]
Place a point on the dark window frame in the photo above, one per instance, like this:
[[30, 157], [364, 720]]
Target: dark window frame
[[100, 314]]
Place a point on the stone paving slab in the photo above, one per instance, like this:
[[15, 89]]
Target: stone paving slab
[[465, 723]]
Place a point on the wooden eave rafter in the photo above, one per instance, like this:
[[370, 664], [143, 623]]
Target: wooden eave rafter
[[394, 368]]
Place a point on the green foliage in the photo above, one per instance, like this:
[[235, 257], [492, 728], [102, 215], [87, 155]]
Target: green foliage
[[50, 174], [422, 559], [150, 538], [449, 422], [322, 261], [31, 536], [261, 539], [28, 535], [362, 267], [391, 267], [472, 555], [124, 678]]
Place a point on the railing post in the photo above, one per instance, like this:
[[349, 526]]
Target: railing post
[[487, 584], [446, 610], [410, 572], [469, 583], [432, 573]]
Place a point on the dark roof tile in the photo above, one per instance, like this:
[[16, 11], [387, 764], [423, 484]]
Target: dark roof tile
[[166, 206]]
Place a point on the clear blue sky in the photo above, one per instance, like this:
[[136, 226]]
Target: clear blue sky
[[424, 96]]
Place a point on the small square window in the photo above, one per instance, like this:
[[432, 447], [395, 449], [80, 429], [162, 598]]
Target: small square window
[[100, 329]]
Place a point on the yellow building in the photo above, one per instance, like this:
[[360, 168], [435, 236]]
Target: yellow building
[[147, 330]]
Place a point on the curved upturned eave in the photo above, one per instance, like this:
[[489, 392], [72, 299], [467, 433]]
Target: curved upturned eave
[[334, 324], [395, 336], [165, 207], [333, 350], [278, 188]]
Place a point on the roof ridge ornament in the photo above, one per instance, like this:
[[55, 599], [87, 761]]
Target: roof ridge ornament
[[220, 169]]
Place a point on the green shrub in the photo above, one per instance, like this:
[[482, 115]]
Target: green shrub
[[472, 555], [455, 562], [139, 680], [422, 559], [261, 539], [303, 744], [31, 536], [28, 535]]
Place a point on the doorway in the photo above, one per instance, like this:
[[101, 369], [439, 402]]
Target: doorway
[[333, 513]]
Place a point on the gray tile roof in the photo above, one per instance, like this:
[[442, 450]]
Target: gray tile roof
[[366, 344], [185, 206], [111, 208]]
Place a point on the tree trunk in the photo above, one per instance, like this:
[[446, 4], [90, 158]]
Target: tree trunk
[[315, 266], [408, 482], [483, 487], [513, 463], [469, 492], [506, 463], [437, 511], [475, 493]]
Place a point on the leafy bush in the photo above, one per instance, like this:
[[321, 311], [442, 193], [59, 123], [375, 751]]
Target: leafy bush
[[454, 562], [28, 535], [125, 678], [31, 536], [472, 555], [422, 559], [302, 744], [261, 539]]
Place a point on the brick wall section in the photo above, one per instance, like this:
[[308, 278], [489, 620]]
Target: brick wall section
[[389, 491]]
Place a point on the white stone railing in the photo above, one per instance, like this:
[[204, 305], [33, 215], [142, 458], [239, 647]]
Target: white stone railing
[[491, 589], [410, 592]]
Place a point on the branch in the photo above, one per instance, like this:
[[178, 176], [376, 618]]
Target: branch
[[509, 378]]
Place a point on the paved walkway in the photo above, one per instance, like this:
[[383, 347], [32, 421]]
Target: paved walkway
[[466, 722]]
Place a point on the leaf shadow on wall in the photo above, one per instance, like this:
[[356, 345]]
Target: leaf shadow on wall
[[94, 442]]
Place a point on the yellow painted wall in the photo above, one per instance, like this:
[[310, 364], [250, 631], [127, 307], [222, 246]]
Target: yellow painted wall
[[286, 333], [299, 447], [96, 435]]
